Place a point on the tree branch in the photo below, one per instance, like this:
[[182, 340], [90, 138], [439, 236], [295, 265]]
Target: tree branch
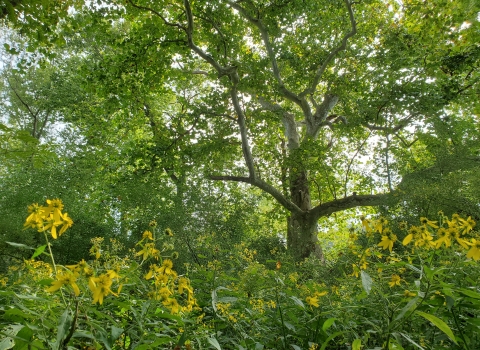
[[247, 154], [158, 14], [348, 203], [276, 71], [403, 123], [288, 120], [290, 206], [30, 111], [311, 89]]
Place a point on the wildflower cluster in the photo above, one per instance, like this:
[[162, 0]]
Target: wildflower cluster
[[430, 234], [48, 217], [166, 285], [99, 284]]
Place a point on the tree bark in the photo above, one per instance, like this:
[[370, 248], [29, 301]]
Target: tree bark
[[302, 228]]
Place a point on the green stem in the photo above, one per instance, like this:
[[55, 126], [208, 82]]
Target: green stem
[[459, 329], [281, 318], [50, 250]]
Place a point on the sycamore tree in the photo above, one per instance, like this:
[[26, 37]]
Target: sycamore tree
[[325, 106]]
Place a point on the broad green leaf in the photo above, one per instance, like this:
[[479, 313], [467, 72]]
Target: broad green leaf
[[411, 303], [297, 301], [23, 338], [439, 324], [38, 251], [289, 325], [366, 281], [64, 324], [357, 344], [328, 323], [116, 332], [6, 343], [214, 343], [336, 334], [470, 293]]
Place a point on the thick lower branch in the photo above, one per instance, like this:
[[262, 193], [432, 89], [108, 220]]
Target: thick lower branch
[[264, 187], [349, 202]]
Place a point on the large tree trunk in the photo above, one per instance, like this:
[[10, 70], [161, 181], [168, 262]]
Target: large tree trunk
[[302, 240], [302, 228]]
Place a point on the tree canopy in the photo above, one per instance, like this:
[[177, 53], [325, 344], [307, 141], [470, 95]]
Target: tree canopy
[[323, 106]]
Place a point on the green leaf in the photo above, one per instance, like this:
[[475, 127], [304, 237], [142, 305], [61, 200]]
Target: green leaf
[[336, 334], [411, 341], [215, 343], [23, 338], [6, 343], [38, 251], [182, 339], [439, 324], [328, 323], [64, 324], [357, 344], [19, 245], [366, 281], [297, 301], [470, 293], [406, 308], [116, 332]]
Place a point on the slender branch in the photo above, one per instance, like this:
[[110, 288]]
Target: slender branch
[[387, 163], [247, 154], [231, 71], [30, 111], [405, 143], [402, 124], [290, 206], [351, 162], [271, 54], [156, 13], [311, 89]]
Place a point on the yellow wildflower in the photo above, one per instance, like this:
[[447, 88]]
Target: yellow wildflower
[[445, 236], [172, 304], [36, 215], [425, 222], [149, 250], [147, 235], [184, 284], [167, 267], [387, 242], [467, 225], [66, 223], [407, 293], [65, 278], [474, 252], [395, 280], [458, 237], [380, 224], [55, 207], [312, 301], [51, 223], [81, 267], [100, 287]]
